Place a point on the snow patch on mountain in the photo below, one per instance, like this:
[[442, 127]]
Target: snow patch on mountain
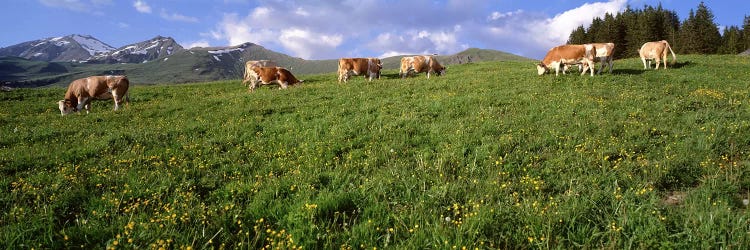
[[224, 51], [92, 45]]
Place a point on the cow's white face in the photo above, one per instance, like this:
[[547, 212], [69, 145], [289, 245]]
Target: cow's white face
[[65, 109], [541, 69]]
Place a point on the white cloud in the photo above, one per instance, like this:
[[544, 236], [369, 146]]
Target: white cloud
[[497, 15], [142, 6], [294, 36], [302, 12], [177, 17], [199, 43], [308, 44], [558, 28], [418, 42], [532, 34]]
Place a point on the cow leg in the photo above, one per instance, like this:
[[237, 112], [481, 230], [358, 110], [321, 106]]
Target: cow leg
[[557, 68], [82, 103], [346, 76], [252, 86], [644, 62], [585, 67], [117, 98], [117, 101], [283, 85], [657, 63]]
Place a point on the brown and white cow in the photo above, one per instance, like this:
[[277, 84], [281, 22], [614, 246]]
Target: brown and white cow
[[273, 75], [250, 75], [569, 54], [656, 51], [604, 54], [419, 64], [368, 67], [81, 91]]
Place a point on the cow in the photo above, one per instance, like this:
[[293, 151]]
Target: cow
[[250, 75], [419, 64], [604, 54], [273, 75], [656, 51], [562, 55], [81, 91], [368, 67]]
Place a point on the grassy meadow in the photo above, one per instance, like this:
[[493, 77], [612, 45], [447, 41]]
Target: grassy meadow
[[489, 156]]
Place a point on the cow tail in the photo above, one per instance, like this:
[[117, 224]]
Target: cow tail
[[674, 57]]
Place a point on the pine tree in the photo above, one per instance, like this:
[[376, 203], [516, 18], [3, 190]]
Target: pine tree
[[746, 33], [578, 36], [633, 36], [731, 41], [671, 26], [700, 33], [687, 43]]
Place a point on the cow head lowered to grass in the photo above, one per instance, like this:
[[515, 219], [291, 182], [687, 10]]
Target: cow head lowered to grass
[[273, 75], [81, 91]]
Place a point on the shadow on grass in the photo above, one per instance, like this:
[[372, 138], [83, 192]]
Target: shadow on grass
[[679, 64], [627, 71]]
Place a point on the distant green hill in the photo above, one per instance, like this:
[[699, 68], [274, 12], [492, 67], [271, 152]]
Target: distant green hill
[[198, 65]]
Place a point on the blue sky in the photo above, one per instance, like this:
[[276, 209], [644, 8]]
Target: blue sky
[[320, 29]]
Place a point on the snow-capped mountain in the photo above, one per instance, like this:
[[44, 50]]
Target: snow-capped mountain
[[84, 48], [66, 48], [139, 52]]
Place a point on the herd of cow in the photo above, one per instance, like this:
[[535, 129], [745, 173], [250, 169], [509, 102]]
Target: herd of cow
[[81, 92]]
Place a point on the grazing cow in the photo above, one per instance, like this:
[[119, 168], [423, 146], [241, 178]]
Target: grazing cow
[[368, 67], [656, 51], [273, 75], [604, 54], [562, 55], [250, 75], [82, 91], [419, 64]]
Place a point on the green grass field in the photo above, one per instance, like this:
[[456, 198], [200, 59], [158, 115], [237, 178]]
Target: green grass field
[[489, 156]]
